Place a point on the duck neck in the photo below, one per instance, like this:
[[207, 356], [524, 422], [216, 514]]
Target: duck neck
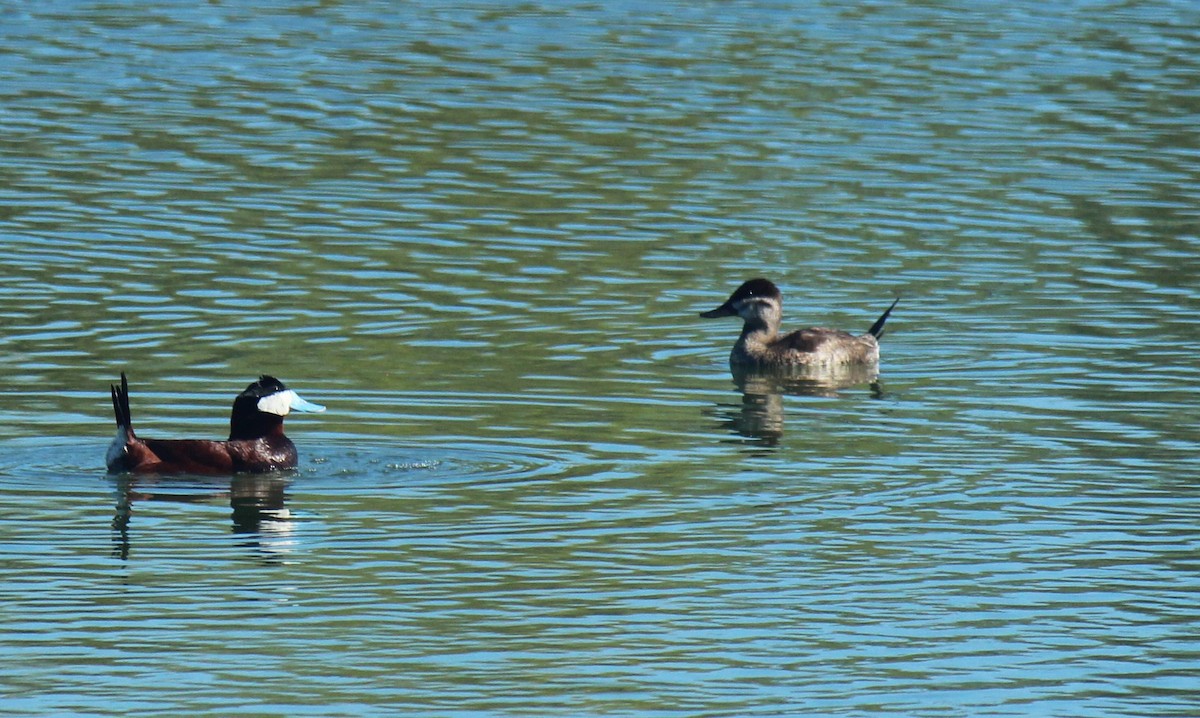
[[255, 426], [757, 334]]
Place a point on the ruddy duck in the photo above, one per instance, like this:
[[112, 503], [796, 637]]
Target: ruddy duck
[[760, 304], [256, 441]]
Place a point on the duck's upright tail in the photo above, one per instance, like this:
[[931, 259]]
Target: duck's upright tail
[[118, 449], [120, 400], [876, 329]]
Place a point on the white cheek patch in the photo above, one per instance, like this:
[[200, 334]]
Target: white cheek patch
[[279, 403], [282, 402], [747, 307], [750, 305]]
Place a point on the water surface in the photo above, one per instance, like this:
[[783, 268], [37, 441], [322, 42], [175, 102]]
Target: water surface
[[481, 235]]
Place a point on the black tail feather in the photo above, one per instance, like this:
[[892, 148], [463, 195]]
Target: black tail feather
[[120, 400], [876, 329]]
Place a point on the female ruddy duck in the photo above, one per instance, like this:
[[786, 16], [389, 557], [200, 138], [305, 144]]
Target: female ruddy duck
[[759, 303], [256, 441]]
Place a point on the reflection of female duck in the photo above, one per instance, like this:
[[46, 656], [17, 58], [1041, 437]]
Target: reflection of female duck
[[761, 415], [805, 380], [760, 304], [256, 439]]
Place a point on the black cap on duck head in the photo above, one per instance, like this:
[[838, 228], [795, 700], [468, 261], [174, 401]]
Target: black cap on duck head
[[754, 288], [259, 410]]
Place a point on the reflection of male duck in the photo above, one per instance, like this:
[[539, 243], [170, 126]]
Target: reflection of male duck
[[760, 305], [257, 502]]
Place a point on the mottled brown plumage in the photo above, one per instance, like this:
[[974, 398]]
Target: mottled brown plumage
[[760, 305]]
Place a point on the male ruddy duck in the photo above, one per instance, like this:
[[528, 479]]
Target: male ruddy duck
[[256, 441], [759, 303]]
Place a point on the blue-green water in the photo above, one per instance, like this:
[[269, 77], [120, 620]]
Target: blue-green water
[[481, 235]]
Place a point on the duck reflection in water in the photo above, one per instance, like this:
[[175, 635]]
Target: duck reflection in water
[[810, 362], [258, 504], [181, 470], [760, 415]]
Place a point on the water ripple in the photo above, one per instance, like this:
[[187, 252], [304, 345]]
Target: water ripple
[[481, 235]]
